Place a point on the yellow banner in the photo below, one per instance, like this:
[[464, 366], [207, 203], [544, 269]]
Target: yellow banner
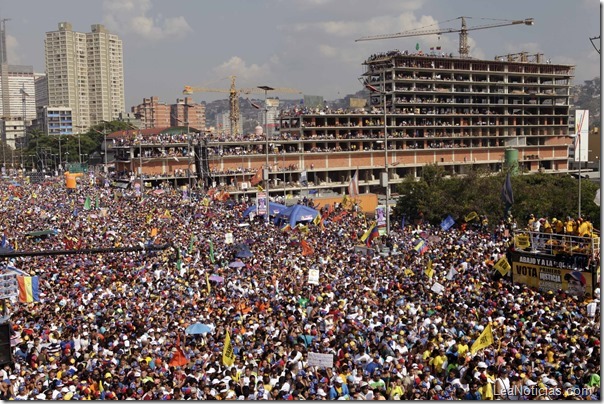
[[485, 339], [471, 216], [503, 266], [228, 356], [429, 271], [546, 278], [522, 241]]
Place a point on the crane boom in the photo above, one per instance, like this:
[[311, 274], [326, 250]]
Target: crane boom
[[464, 49], [234, 93]]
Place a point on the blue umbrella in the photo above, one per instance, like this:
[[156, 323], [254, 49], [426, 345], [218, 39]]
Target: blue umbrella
[[236, 264], [197, 328]]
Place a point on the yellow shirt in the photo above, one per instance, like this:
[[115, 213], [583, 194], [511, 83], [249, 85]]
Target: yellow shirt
[[437, 362], [462, 349]]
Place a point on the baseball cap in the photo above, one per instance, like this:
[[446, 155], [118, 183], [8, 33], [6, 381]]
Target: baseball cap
[[576, 275]]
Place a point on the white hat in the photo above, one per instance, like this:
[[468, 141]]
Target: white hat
[[41, 396], [482, 365], [530, 383], [321, 393]]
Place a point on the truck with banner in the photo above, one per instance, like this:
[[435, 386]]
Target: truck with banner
[[553, 262]]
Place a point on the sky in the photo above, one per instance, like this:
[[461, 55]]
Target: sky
[[306, 45]]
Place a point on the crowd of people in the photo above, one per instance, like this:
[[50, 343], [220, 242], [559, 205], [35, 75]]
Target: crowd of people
[[112, 325]]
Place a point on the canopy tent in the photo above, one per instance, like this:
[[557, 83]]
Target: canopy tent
[[274, 209], [297, 213]]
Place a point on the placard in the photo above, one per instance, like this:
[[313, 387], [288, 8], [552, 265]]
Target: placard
[[437, 288], [228, 238], [320, 360], [313, 276]]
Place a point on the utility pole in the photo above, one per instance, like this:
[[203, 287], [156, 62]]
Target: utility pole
[[267, 182]]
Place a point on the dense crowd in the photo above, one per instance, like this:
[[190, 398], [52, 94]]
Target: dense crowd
[[113, 325]]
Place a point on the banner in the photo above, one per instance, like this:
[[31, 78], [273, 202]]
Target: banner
[[484, 340], [582, 132], [547, 273], [471, 216], [503, 266], [447, 223], [261, 203], [320, 360], [522, 241], [380, 215], [8, 286], [313, 276], [228, 356], [437, 288], [228, 238]]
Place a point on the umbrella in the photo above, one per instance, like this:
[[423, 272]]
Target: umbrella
[[198, 328], [236, 264], [216, 278]]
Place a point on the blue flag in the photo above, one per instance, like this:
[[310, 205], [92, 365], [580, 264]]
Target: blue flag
[[447, 223], [506, 191]]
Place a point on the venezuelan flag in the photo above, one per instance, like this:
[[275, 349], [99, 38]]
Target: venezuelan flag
[[28, 289], [374, 234]]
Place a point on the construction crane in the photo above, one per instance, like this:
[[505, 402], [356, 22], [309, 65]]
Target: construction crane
[[234, 93], [464, 48]]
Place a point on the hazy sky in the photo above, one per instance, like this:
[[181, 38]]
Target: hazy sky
[[308, 45]]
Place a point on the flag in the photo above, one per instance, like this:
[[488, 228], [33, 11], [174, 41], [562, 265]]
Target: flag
[[208, 283], [179, 264], [154, 232], [421, 247], [101, 388], [212, 252], [365, 235], [506, 191], [503, 266], [484, 340], [167, 214], [87, 203], [306, 248], [429, 270], [178, 358], [97, 203], [353, 187], [317, 220], [375, 233], [228, 356], [417, 46], [286, 228], [447, 223], [470, 216], [28, 289], [408, 272], [257, 178]]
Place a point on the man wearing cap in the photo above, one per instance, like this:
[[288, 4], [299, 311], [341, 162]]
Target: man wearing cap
[[575, 283], [338, 390]]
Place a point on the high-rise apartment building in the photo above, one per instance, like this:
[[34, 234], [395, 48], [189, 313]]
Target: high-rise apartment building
[[85, 73], [155, 114]]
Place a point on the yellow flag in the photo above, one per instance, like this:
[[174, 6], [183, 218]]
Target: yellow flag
[[208, 283], [259, 188], [485, 339], [317, 220], [408, 272], [503, 266], [429, 271], [228, 356], [302, 228], [470, 216], [149, 218], [154, 232]]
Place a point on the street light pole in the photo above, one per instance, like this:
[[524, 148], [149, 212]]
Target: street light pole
[[266, 90], [386, 167]]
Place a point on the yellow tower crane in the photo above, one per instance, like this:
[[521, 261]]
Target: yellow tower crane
[[464, 48], [234, 94]]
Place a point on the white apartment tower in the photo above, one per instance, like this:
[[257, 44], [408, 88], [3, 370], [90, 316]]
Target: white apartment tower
[[85, 73]]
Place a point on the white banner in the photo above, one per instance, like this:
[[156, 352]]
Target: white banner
[[313, 276], [320, 360], [582, 132]]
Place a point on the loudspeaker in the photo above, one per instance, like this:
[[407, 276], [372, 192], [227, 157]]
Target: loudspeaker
[[6, 354]]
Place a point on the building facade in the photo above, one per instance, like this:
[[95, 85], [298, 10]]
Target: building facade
[[85, 73], [17, 92], [457, 113], [188, 113], [152, 113], [55, 120]]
